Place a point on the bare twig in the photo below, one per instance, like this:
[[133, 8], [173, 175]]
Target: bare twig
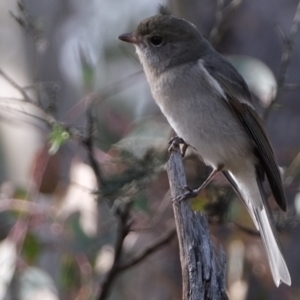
[[44, 116], [98, 98], [163, 240], [218, 20], [17, 87], [223, 16], [291, 86], [33, 27], [285, 60], [121, 85], [88, 143], [123, 227], [124, 223]]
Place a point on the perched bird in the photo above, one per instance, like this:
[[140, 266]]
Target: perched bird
[[209, 105]]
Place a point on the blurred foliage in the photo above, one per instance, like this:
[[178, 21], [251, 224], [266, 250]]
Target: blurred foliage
[[69, 272], [80, 241], [34, 283], [32, 248], [70, 229], [137, 172]]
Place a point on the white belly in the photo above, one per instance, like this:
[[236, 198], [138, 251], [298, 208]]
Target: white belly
[[204, 120]]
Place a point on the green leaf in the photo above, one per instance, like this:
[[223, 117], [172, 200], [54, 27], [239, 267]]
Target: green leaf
[[58, 137], [88, 75], [32, 248], [70, 275]]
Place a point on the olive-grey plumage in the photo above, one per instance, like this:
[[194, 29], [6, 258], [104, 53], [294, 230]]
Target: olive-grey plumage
[[208, 104]]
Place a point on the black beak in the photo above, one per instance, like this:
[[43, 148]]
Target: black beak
[[129, 38]]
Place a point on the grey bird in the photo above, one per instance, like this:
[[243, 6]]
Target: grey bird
[[209, 105]]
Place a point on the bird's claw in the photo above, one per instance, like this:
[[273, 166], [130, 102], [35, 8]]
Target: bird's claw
[[175, 142], [189, 193]]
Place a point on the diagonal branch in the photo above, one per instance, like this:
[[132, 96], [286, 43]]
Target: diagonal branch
[[163, 240], [123, 216], [16, 86], [45, 117]]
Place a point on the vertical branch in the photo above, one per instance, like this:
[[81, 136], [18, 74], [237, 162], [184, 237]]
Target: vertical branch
[[285, 60], [123, 227], [213, 37], [88, 143], [203, 274], [223, 16]]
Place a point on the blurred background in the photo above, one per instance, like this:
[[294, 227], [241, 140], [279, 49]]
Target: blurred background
[[83, 147]]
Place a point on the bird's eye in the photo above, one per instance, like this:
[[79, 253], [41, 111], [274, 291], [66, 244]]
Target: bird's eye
[[156, 40]]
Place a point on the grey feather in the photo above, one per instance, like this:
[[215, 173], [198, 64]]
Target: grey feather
[[208, 104], [269, 236], [239, 99]]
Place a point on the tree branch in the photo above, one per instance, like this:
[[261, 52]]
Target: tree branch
[[122, 231], [45, 117], [163, 240], [285, 60], [123, 227], [203, 273], [16, 86], [88, 143], [223, 16]]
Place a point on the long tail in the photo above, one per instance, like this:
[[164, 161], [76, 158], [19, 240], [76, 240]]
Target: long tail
[[277, 263], [252, 194]]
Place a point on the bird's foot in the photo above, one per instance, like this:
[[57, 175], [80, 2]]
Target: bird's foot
[[188, 194], [175, 142]]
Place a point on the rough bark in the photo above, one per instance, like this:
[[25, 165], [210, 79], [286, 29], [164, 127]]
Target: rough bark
[[203, 273]]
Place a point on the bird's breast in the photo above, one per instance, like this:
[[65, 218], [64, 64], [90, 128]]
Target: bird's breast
[[199, 114]]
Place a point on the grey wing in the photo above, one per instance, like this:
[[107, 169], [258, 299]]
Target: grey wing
[[239, 99], [228, 77]]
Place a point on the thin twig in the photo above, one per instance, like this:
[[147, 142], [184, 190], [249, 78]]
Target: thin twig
[[218, 20], [121, 85], [123, 230], [223, 16], [163, 240], [285, 60], [88, 143], [123, 227], [291, 86], [17, 87], [45, 117]]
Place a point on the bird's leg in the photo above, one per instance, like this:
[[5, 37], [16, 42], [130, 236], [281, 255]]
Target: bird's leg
[[176, 141], [194, 193]]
